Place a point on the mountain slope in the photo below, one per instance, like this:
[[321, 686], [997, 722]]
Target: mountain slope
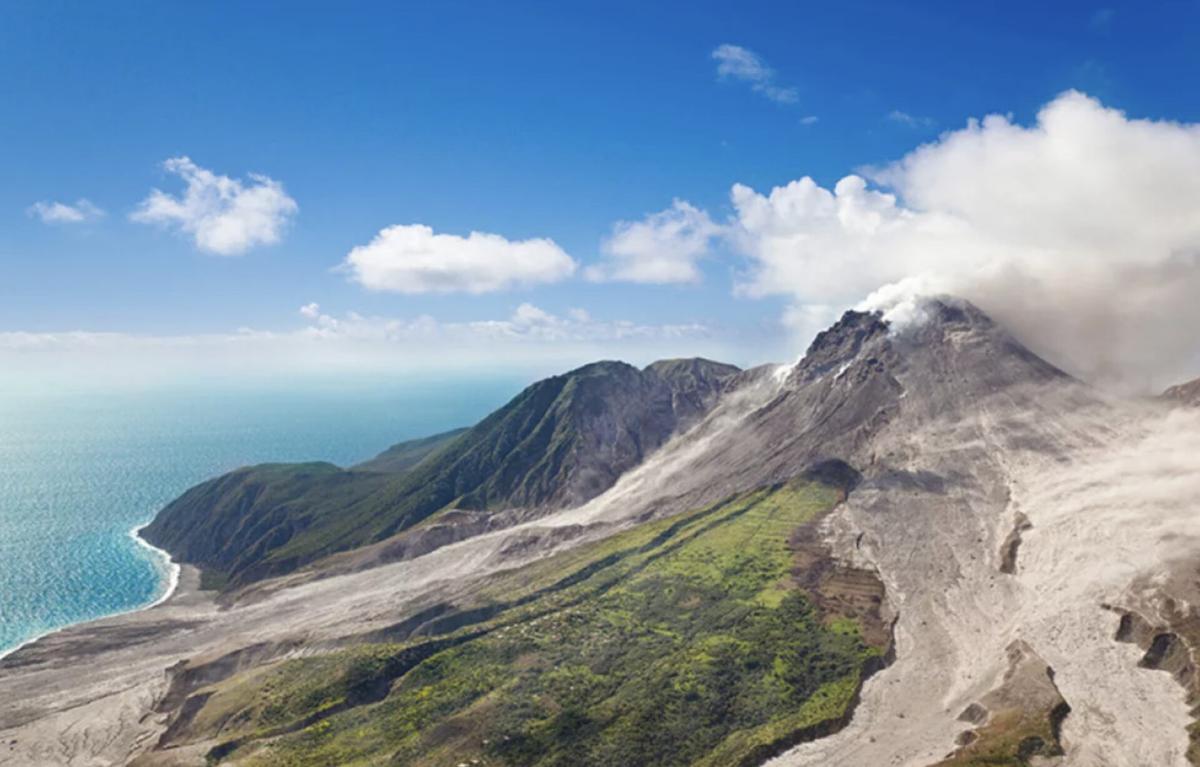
[[558, 443], [718, 637]]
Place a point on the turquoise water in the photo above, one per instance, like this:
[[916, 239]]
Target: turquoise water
[[78, 472]]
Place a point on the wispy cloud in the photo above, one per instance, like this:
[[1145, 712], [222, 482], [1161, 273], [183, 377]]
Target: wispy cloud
[[809, 120], [412, 258], [529, 338], [221, 214], [1102, 18], [527, 322], [910, 120], [737, 63], [50, 212]]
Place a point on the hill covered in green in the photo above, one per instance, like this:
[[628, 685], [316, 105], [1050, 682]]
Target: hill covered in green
[[558, 443], [717, 637]]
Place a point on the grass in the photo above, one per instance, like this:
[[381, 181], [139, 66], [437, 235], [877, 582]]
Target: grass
[[683, 641]]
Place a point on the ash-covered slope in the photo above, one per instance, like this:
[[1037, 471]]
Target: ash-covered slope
[[559, 443], [860, 382]]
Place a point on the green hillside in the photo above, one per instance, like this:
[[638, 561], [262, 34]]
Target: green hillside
[[717, 637], [559, 442]]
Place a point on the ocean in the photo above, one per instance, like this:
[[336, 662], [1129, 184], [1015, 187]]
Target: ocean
[[79, 471]]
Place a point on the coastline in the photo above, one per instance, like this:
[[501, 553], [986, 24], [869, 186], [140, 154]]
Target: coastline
[[169, 572], [172, 567]]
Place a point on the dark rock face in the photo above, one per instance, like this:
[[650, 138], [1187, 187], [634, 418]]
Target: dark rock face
[[566, 439], [1012, 544], [1184, 394], [559, 443]]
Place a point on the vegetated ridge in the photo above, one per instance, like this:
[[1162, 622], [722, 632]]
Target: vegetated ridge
[[560, 442]]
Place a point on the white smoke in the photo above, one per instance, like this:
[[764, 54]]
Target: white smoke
[[1081, 233]]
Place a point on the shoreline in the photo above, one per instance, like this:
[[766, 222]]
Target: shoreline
[[168, 569], [173, 568]]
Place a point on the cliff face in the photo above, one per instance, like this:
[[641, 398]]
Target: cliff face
[[559, 443]]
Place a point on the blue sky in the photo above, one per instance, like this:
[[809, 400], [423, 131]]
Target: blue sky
[[523, 120]]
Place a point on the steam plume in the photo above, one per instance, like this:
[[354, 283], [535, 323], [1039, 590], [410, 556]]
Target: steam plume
[[1080, 232]]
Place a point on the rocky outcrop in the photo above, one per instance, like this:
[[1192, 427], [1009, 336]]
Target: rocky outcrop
[[1165, 624], [1187, 394], [1020, 719], [1012, 544]]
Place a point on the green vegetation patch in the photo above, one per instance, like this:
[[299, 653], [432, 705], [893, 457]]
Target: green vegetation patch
[[1013, 738], [679, 642]]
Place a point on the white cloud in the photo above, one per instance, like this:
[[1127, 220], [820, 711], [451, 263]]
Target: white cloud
[[50, 212], [911, 121], [809, 120], [311, 310], [527, 323], [530, 340], [1080, 232], [413, 259], [222, 215], [663, 247], [738, 63]]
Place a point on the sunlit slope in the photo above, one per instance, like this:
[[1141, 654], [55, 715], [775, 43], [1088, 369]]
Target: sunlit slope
[[717, 637]]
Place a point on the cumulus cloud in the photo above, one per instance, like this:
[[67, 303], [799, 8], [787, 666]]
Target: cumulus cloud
[[222, 215], [413, 259], [1080, 232], [51, 212], [311, 310], [737, 63], [664, 247]]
